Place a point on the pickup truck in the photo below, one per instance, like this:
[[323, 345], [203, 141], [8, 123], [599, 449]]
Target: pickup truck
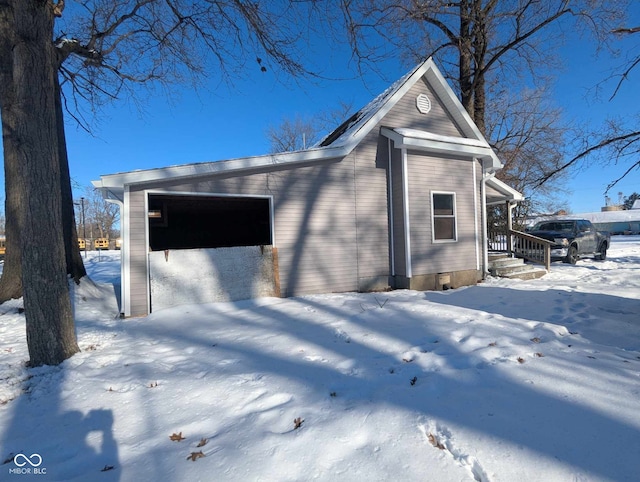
[[573, 239]]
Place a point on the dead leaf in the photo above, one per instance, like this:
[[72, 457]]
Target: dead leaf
[[176, 437], [297, 423], [535, 339], [106, 468], [434, 441], [195, 456], [413, 381], [520, 359], [153, 385], [539, 355], [203, 442], [493, 343]]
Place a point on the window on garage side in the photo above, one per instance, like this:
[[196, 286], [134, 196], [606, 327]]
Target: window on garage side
[[443, 216], [191, 221]]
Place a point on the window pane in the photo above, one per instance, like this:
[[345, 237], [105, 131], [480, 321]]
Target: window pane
[[444, 228], [443, 204]]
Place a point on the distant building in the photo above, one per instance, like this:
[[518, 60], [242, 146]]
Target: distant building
[[616, 222]]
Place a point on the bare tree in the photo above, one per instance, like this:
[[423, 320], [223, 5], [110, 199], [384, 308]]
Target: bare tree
[[100, 213], [294, 134], [616, 141], [523, 127], [491, 50], [102, 49]]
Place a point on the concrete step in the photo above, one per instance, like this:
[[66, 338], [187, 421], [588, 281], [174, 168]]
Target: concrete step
[[514, 268], [505, 262], [530, 273]]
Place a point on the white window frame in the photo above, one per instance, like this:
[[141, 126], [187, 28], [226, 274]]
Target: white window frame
[[454, 216]]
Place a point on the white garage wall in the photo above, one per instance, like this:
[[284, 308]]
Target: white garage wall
[[187, 276]]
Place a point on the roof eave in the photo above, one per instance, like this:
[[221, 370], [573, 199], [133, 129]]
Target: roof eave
[[509, 194], [443, 145], [118, 181]]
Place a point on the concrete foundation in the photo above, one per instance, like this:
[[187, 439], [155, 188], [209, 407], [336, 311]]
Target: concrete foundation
[[438, 281]]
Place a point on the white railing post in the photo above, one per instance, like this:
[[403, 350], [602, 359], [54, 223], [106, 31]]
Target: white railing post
[[509, 228]]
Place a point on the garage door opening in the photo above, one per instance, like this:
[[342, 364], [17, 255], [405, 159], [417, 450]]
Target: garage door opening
[[210, 248], [188, 222]]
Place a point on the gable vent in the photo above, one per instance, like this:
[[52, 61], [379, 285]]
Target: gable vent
[[423, 103]]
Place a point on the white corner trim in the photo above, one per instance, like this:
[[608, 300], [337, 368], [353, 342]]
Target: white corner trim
[[405, 205], [475, 214], [125, 254]]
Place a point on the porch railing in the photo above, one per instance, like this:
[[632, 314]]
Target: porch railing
[[531, 248], [522, 245]]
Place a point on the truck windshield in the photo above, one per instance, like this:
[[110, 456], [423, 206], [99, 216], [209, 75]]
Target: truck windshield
[[554, 226]]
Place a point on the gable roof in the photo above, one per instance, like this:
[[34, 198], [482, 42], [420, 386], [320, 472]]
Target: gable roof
[[337, 144]]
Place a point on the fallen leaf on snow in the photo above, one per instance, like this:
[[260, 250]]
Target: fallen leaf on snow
[[434, 441], [195, 456], [203, 442], [176, 437]]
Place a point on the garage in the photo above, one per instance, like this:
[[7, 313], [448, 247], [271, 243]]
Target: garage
[[206, 248]]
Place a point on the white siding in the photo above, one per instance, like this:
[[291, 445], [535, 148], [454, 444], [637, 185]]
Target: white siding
[[372, 183], [314, 210], [332, 217], [427, 174]]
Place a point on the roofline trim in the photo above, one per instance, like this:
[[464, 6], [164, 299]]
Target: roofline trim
[[111, 181], [428, 142]]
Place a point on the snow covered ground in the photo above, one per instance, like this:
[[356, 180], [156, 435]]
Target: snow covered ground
[[505, 381]]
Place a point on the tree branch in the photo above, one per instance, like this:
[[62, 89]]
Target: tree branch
[[631, 136]]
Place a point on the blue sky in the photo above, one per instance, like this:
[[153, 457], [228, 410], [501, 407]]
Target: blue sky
[[222, 122]]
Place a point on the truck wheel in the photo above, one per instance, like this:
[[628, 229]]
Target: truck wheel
[[572, 255], [602, 255]]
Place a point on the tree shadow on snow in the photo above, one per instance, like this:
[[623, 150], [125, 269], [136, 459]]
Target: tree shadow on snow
[[48, 440], [469, 393]]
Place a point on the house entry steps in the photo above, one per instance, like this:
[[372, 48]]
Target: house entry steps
[[503, 266]]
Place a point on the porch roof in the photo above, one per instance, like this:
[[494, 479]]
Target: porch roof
[[498, 192]]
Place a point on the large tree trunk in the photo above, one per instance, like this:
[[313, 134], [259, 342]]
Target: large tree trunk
[[29, 119], [73, 259], [11, 281], [479, 53], [465, 68]]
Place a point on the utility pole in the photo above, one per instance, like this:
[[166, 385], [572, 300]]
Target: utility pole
[[84, 229]]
